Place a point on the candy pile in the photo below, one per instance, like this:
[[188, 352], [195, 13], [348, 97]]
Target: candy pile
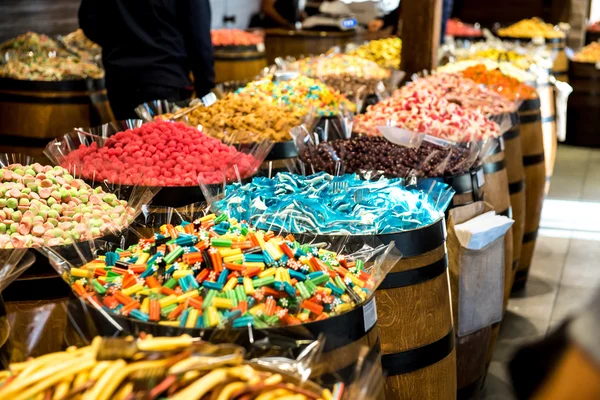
[[588, 54], [384, 52], [505, 67], [424, 112], [218, 273], [522, 61], [177, 368], [324, 204], [506, 86], [160, 154], [343, 72], [455, 27], [301, 94], [39, 58], [374, 153], [460, 90], [531, 28], [235, 37], [243, 119], [43, 205], [82, 46]]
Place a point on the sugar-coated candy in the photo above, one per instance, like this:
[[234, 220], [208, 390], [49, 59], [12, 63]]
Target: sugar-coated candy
[[235, 37], [531, 28], [160, 154], [44, 205], [455, 27], [385, 52], [324, 204], [227, 276], [497, 81], [300, 95]]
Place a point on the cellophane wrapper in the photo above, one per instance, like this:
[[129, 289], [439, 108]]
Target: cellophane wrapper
[[279, 344], [59, 149]]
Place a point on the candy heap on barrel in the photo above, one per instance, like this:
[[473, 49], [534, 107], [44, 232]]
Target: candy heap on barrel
[[216, 272]]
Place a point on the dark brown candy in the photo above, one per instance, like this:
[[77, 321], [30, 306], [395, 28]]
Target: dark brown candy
[[374, 153]]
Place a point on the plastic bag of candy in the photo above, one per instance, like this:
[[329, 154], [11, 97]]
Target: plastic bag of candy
[[159, 155], [179, 367]]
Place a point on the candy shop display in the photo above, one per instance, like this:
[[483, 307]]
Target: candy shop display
[[506, 86], [463, 91], [588, 54], [384, 52], [522, 61], [177, 368], [216, 272], [156, 154], [326, 204], [423, 111], [235, 37], [44, 205], [455, 27], [242, 119], [78, 43], [505, 67], [299, 94], [343, 72], [374, 153], [532, 28], [39, 58]]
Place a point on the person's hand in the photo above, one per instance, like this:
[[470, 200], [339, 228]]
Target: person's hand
[[375, 25]]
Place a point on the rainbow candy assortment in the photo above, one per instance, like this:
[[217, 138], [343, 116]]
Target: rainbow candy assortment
[[218, 273], [324, 204]]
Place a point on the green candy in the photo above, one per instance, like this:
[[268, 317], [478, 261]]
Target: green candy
[[12, 203], [2, 228]]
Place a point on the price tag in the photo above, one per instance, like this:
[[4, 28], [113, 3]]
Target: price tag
[[370, 314], [597, 64], [260, 47]]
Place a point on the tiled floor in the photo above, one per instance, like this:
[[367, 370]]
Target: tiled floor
[[564, 270]]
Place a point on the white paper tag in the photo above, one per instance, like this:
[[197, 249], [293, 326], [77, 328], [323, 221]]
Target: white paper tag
[[260, 47], [370, 314], [597, 64]]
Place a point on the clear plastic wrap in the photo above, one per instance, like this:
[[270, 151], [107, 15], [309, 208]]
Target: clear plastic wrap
[[97, 159], [347, 325], [179, 367]]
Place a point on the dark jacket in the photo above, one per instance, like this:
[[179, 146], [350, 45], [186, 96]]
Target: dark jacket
[[146, 42]]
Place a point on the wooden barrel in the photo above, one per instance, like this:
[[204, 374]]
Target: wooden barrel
[[469, 187], [516, 185], [532, 145], [34, 112], [414, 318], [496, 189], [560, 66], [583, 117], [295, 43], [548, 110], [239, 63]]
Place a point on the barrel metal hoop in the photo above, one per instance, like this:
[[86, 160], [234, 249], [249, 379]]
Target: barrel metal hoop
[[530, 236], [549, 119], [415, 276], [529, 105], [490, 168], [527, 119], [560, 72], [513, 133], [421, 357], [521, 274], [533, 159], [516, 187], [17, 98]]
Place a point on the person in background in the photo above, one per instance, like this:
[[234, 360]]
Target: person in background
[[390, 10], [149, 48], [280, 13]]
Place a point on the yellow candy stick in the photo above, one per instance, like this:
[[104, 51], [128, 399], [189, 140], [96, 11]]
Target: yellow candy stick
[[132, 289], [248, 286], [145, 307], [221, 302], [192, 318], [142, 259], [230, 285]]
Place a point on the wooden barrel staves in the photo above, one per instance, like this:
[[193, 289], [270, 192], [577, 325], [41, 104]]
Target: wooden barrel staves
[[548, 112], [532, 144], [239, 63], [513, 159], [34, 112], [583, 117], [496, 189], [414, 318], [560, 66]]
